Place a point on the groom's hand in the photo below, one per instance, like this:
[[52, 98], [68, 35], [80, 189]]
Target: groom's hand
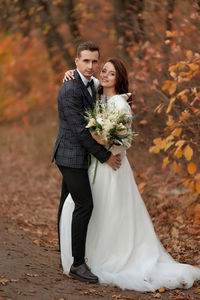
[[114, 161]]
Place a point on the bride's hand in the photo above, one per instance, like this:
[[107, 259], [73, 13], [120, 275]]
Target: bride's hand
[[68, 75], [98, 139]]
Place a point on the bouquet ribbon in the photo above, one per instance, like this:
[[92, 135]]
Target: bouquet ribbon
[[96, 165]]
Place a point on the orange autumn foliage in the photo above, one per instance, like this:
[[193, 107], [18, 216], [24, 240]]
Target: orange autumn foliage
[[26, 79], [181, 137]]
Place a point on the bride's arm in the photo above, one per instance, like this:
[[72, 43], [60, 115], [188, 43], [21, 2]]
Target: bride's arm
[[98, 139]]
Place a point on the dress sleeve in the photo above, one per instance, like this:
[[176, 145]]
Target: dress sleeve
[[119, 102]]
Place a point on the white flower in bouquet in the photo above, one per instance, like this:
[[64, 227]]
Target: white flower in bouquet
[[99, 120], [91, 123], [108, 125]]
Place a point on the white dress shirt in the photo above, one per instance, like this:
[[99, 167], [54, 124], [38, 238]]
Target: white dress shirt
[[85, 81]]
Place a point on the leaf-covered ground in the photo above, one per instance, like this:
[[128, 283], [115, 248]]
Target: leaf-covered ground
[[30, 188]]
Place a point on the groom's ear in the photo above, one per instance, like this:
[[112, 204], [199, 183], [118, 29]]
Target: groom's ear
[[76, 60]]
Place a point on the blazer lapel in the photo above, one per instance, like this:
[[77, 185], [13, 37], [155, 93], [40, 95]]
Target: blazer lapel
[[89, 98]]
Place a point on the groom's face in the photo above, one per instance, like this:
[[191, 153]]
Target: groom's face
[[88, 63]]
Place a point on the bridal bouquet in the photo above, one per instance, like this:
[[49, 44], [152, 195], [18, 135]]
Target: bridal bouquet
[[113, 126]]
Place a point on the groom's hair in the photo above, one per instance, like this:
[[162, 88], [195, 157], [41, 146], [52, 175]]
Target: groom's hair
[[87, 46]]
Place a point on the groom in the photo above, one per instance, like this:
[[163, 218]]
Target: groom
[[73, 144]]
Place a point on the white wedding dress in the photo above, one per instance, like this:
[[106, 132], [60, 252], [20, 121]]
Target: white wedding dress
[[122, 247]]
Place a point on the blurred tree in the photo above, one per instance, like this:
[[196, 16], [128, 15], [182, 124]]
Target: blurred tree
[[68, 9], [169, 25], [5, 16], [55, 43], [39, 14], [147, 34], [23, 23], [198, 3], [129, 22]]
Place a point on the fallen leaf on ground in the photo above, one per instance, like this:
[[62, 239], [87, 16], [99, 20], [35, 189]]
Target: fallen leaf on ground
[[31, 275], [36, 242], [116, 296], [157, 295], [161, 290], [14, 280], [174, 232], [4, 281]]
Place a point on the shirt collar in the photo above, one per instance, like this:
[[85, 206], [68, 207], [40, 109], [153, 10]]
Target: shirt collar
[[83, 78]]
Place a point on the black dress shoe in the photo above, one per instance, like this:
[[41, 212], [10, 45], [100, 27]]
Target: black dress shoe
[[83, 273]]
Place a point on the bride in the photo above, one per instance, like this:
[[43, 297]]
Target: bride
[[122, 247]]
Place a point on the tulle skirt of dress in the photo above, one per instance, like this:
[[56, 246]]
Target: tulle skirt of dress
[[122, 247]]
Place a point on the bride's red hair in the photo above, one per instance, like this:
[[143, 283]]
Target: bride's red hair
[[121, 85]]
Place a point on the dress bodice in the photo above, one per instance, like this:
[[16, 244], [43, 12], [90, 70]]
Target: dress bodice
[[118, 102]]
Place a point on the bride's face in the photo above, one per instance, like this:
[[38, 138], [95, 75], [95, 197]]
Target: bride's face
[[108, 76]]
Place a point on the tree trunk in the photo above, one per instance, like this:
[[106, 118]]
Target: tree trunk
[[129, 24], [119, 12], [24, 22], [198, 3], [21, 15], [54, 41], [169, 25], [69, 12], [140, 19], [5, 16]]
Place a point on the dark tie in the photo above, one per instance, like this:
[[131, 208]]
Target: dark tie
[[91, 85]]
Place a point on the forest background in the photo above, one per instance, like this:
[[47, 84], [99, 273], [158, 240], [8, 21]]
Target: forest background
[[159, 43]]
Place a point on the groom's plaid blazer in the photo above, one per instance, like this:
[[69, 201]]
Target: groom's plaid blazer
[[74, 141]]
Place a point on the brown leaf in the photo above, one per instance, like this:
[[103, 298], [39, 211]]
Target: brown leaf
[[177, 132], [141, 187], [178, 153], [165, 162], [180, 219], [180, 143], [157, 295], [191, 167], [144, 122], [176, 167], [170, 104], [36, 242], [174, 232], [197, 187], [92, 290], [184, 98], [31, 275], [188, 152], [189, 54], [14, 280], [162, 290], [4, 281]]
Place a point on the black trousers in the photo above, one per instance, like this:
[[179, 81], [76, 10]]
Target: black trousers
[[76, 182]]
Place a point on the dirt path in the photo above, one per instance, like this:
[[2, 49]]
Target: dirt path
[[29, 197], [31, 271]]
